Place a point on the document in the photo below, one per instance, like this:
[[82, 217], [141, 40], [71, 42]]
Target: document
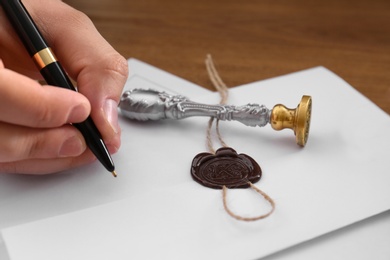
[[154, 210]]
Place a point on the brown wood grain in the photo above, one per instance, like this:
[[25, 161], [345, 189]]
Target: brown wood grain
[[252, 40]]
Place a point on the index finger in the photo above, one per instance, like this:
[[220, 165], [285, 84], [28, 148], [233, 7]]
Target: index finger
[[25, 102]]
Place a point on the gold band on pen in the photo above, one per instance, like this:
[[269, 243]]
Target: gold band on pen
[[44, 57]]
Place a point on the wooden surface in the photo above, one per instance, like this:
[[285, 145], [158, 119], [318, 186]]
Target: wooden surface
[[252, 40]]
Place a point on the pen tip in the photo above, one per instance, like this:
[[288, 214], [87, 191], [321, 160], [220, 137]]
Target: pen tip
[[114, 174]]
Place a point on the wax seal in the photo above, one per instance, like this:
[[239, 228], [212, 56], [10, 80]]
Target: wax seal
[[225, 168]]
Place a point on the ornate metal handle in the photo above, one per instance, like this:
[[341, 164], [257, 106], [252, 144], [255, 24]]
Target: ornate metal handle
[[141, 104]]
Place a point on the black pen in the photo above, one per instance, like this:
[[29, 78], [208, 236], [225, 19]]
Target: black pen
[[53, 73]]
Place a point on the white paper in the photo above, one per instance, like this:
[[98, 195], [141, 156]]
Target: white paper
[[368, 239], [339, 178], [28, 198]]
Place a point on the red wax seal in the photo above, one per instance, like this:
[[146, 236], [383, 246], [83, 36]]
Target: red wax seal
[[225, 168]]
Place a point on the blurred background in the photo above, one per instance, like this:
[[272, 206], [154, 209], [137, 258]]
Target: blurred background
[[251, 40]]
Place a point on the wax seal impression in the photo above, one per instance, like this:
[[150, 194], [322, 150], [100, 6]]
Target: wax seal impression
[[225, 168]]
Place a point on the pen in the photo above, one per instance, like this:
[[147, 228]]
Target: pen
[[53, 73]]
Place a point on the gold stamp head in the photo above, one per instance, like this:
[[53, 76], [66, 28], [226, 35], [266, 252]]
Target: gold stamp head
[[296, 119]]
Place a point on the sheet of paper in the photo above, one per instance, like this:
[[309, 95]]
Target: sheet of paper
[[28, 198], [339, 178], [367, 239]]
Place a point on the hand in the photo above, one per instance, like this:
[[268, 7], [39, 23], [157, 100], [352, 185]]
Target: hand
[[34, 133]]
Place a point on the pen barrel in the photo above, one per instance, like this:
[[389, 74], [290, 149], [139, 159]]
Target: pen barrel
[[24, 25], [95, 143], [55, 75]]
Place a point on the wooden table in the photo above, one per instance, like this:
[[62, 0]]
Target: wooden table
[[252, 40]]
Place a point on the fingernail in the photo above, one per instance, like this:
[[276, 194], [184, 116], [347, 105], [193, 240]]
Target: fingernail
[[72, 147], [110, 109]]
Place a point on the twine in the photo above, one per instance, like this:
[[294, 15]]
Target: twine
[[248, 219], [224, 93]]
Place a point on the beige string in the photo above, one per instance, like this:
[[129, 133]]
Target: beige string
[[224, 93], [238, 217], [216, 80]]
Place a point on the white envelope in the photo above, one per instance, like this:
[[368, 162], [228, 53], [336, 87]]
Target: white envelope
[[340, 177]]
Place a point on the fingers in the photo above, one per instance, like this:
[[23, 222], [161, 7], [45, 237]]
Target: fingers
[[27, 103], [34, 125], [12, 50], [34, 166], [103, 92], [20, 143]]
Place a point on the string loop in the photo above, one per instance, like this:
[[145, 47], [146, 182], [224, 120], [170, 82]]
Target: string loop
[[262, 193]]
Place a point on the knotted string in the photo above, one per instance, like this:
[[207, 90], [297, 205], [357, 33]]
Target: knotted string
[[224, 93]]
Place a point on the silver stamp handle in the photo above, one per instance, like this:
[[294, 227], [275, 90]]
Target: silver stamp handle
[[148, 104]]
